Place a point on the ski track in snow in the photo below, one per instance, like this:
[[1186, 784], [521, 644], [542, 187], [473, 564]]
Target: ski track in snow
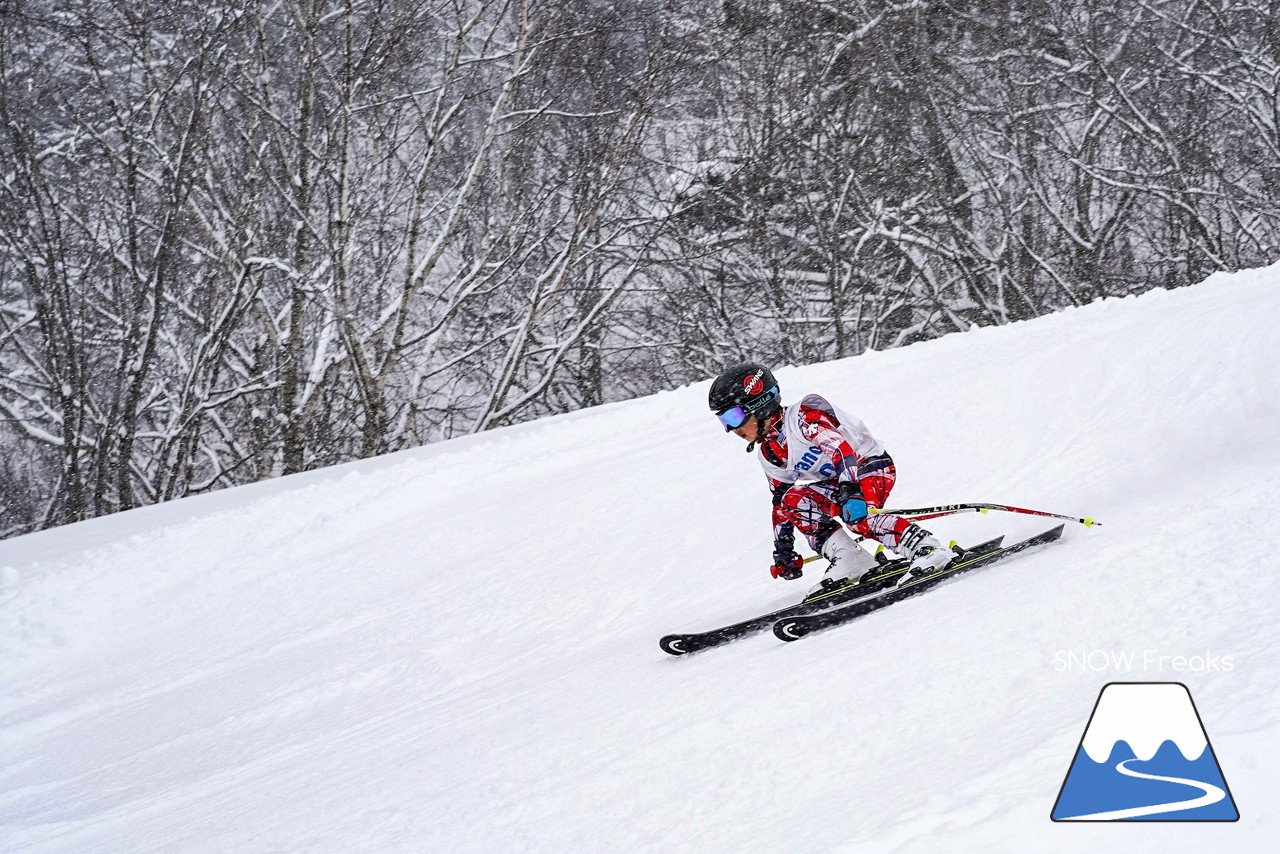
[[455, 648]]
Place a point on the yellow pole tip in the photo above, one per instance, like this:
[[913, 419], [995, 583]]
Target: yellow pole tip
[[984, 510], [1088, 523]]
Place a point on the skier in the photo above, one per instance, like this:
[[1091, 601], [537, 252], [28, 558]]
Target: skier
[[822, 465]]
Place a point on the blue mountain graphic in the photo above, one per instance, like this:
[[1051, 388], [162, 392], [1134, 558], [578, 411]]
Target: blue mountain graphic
[[1099, 787]]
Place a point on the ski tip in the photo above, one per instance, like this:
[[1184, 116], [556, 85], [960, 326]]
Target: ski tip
[[674, 645], [789, 630]]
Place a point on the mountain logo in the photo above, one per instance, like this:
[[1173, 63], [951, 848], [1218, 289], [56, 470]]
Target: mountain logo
[[1145, 756]]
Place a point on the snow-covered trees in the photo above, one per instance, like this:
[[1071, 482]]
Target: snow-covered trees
[[245, 239]]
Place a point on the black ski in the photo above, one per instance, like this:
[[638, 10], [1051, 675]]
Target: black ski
[[795, 626], [682, 644]]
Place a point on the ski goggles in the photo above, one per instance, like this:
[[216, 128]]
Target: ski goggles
[[733, 417]]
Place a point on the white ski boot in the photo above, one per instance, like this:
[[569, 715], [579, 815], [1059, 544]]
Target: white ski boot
[[927, 554], [849, 561]]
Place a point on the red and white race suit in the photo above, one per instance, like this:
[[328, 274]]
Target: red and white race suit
[[806, 454]]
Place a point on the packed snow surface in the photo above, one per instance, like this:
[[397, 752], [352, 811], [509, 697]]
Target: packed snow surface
[[455, 648]]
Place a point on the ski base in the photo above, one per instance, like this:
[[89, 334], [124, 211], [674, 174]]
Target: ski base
[[884, 578], [794, 627]]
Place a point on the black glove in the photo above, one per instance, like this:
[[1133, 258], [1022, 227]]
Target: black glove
[[787, 564], [848, 497]]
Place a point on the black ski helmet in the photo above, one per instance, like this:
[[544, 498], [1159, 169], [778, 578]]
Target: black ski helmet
[[742, 391]]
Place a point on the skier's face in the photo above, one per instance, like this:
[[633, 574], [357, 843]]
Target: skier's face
[[750, 429]]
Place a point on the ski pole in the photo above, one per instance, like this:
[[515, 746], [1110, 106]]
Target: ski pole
[[948, 509]]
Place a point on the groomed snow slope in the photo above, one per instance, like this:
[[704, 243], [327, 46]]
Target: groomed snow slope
[[455, 648]]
